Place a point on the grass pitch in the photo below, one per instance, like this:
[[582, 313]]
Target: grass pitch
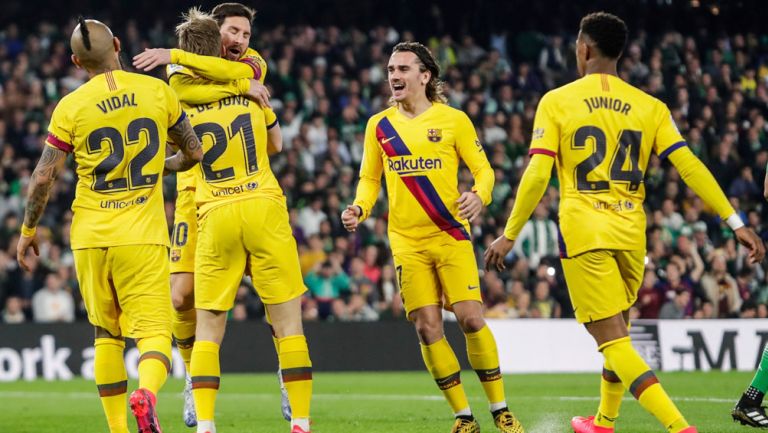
[[376, 403]]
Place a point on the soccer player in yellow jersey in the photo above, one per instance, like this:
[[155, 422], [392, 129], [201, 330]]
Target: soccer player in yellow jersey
[[243, 220], [199, 79], [116, 126], [189, 73], [418, 143], [600, 132]]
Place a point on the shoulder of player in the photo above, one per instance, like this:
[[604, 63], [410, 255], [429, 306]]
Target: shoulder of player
[[174, 68], [137, 79], [565, 91], [251, 53], [376, 118], [447, 110], [457, 116]]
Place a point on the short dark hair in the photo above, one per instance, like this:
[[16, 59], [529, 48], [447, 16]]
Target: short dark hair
[[427, 62], [224, 10], [607, 31]]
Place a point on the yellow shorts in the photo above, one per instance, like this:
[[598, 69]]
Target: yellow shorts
[[439, 275], [126, 289], [184, 236], [603, 283], [253, 232]]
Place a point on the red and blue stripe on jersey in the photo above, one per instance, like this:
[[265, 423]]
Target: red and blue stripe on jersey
[[420, 185]]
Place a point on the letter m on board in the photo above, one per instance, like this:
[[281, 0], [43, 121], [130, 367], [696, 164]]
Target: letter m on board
[[727, 347]]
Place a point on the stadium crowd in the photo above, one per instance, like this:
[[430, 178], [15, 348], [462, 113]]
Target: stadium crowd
[[325, 83]]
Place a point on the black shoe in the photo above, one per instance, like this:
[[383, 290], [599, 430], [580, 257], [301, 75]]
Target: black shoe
[[753, 416]]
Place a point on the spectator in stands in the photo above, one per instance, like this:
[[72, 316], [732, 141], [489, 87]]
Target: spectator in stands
[[649, 298], [326, 283], [53, 304], [13, 312], [388, 288], [552, 61], [544, 305], [721, 288], [674, 282], [311, 255], [311, 216], [675, 307], [538, 239]]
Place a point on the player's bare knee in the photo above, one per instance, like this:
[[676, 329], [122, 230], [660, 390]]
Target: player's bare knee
[[181, 302], [285, 328], [471, 323], [429, 331]]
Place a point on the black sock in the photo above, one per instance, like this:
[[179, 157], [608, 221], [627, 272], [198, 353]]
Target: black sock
[[752, 397], [466, 417], [498, 411]]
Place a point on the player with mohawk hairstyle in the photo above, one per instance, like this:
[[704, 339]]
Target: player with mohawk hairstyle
[[116, 125]]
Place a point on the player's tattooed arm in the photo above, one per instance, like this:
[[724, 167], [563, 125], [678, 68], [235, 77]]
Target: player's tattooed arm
[[48, 168], [190, 151]]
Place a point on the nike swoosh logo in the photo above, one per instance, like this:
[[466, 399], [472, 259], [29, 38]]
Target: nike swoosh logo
[[387, 140], [472, 287]]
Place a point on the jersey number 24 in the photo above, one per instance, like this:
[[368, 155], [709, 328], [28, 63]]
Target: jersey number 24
[[628, 148]]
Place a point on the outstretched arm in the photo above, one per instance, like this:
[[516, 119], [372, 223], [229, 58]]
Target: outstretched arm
[[46, 171], [532, 187], [371, 169], [471, 152], [212, 68], [190, 152], [700, 180]]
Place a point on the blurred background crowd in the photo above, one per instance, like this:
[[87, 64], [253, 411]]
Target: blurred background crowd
[[326, 80]]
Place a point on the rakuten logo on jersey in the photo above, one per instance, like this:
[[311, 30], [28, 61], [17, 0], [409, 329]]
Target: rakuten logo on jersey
[[405, 165]]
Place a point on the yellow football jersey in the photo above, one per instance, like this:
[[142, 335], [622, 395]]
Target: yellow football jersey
[[116, 125], [420, 160], [235, 165], [601, 132], [231, 79]]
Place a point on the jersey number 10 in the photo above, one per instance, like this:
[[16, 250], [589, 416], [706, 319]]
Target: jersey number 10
[[629, 147]]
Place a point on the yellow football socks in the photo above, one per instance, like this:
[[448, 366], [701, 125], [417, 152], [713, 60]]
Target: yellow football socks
[[154, 362], [206, 375], [111, 381], [296, 369], [611, 393], [642, 383], [442, 364], [484, 359], [184, 323]]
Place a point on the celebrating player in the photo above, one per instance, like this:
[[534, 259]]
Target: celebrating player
[[243, 219], [199, 79], [601, 131], [116, 125], [418, 143]]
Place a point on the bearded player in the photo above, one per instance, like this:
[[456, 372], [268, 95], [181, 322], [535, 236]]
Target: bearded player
[[200, 79]]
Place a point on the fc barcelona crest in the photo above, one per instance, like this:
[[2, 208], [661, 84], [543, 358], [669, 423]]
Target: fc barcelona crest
[[434, 135]]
